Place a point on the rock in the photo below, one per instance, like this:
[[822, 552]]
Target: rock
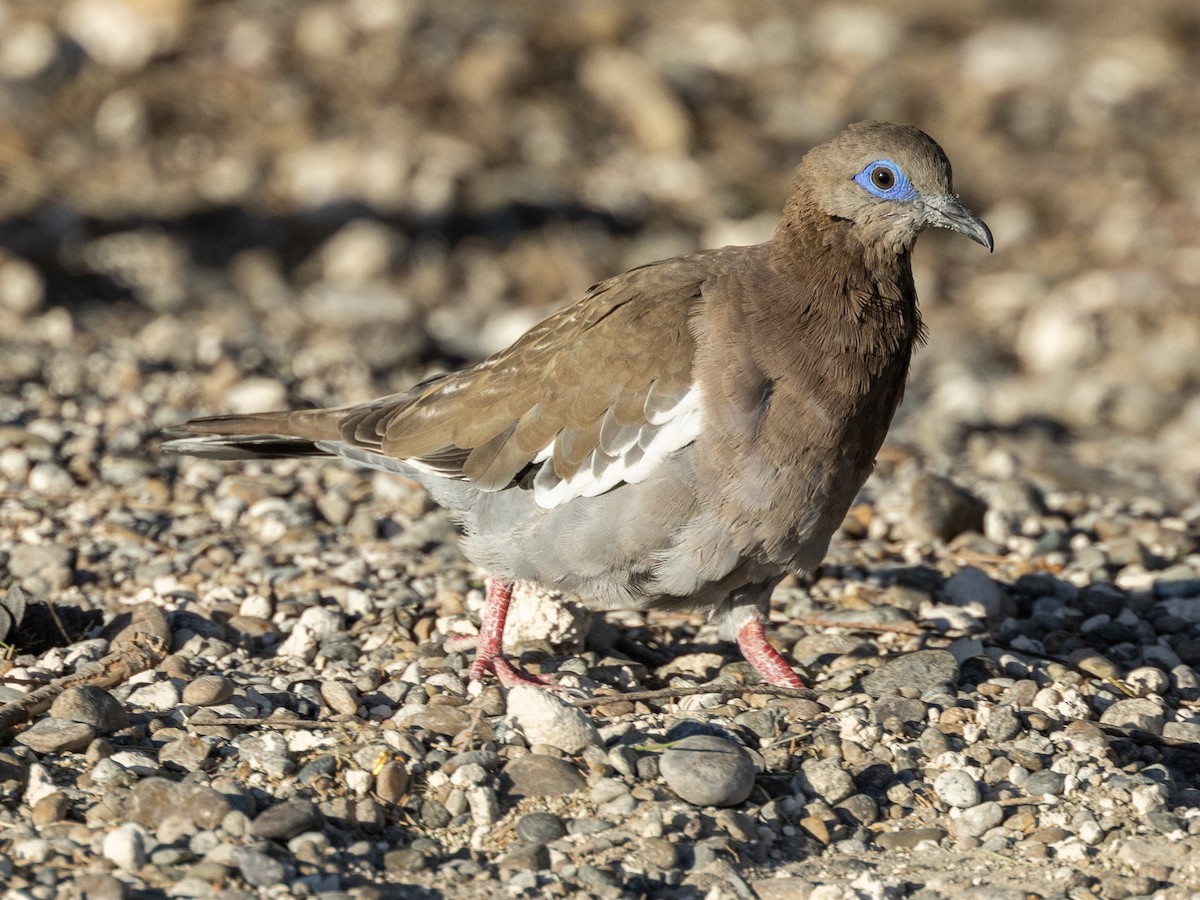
[[188, 753], [391, 782], [545, 719], [340, 697], [538, 775], [971, 587], [151, 800], [942, 510], [956, 788], [125, 846], [978, 820], [1046, 781], [91, 705], [286, 820], [259, 869], [908, 838], [208, 690], [1140, 713], [55, 735], [705, 770], [924, 669], [540, 827], [826, 780]]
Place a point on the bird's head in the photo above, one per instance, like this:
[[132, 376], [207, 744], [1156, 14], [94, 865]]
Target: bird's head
[[891, 182]]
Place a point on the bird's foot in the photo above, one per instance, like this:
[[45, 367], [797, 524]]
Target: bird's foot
[[507, 674], [766, 659]]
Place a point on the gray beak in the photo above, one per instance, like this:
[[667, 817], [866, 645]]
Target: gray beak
[[948, 212]]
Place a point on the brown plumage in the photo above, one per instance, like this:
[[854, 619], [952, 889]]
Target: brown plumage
[[688, 432]]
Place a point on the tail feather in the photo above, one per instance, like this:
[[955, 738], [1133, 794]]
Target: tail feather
[[259, 436]]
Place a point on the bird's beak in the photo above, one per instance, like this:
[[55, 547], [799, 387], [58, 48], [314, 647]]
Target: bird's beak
[[948, 212]]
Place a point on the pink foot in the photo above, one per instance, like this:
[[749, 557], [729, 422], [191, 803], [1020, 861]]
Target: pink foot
[[489, 653], [765, 658]]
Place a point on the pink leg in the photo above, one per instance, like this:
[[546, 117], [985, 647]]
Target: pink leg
[[489, 653], [765, 658]]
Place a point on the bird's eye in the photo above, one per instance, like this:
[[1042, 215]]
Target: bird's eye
[[886, 180]]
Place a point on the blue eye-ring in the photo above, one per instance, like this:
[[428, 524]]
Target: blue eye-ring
[[884, 179]]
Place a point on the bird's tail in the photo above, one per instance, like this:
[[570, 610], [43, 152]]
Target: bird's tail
[[257, 436]]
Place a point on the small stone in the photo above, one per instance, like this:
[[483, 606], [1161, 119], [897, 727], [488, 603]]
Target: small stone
[[1146, 681], [826, 780], [926, 668], [98, 886], [978, 820], [705, 770], [956, 788], [942, 510], [533, 858], [545, 719], [391, 783], [908, 838], [658, 853], [972, 587], [151, 800], [340, 697], [539, 775], [189, 753], [125, 846], [91, 705], [161, 696], [208, 690], [1140, 713], [540, 827], [49, 809], [257, 867], [1003, 724], [286, 820], [1045, 782], [55, 735]]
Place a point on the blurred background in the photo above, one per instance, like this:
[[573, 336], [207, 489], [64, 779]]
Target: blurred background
[[208, 206]]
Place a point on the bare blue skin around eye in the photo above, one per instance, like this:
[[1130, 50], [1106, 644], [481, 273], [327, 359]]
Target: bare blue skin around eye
[[901, 188]]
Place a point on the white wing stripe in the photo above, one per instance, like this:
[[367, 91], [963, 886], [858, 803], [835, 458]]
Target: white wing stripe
[[671, 429]]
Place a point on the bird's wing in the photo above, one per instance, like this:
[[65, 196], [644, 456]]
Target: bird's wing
[[582, 402]]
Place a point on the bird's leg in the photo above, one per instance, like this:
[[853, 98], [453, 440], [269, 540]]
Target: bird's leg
[[766, 659], [489, 652]]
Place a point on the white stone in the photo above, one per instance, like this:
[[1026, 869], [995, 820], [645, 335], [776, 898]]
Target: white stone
[[125, 847], [544, 719]]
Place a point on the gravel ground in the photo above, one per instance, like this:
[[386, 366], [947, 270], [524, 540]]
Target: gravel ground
[[238, 206]]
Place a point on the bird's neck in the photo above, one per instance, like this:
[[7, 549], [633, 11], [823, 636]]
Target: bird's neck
[[861, 297]]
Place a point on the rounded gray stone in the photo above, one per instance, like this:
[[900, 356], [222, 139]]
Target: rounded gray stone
[[956, 788], [708, 771], [921, 670], [208, 690], [539, 775], [92, 705]]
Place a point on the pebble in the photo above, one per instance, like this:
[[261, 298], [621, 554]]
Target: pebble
[[957, 789], [286, 820], [208, 690], [1142, 714], [978, 820], [91, 705], [705, 770], [54, 735], [545, 719], [540, 827], [825, 779], [538, 775], [125, 846], [927, 668]]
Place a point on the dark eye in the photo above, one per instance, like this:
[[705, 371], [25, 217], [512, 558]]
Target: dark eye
[[883, 178]]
